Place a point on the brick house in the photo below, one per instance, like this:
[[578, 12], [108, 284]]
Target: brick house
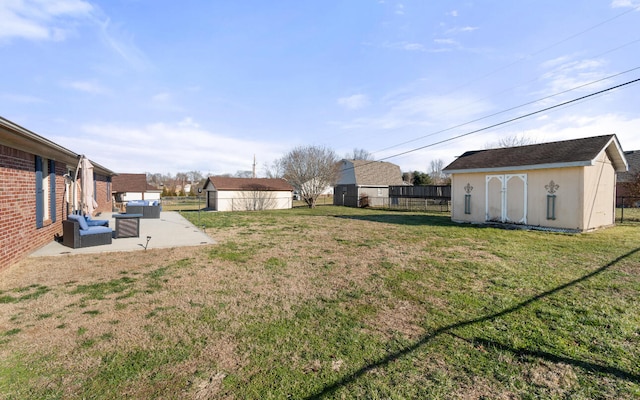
[[35, 196]]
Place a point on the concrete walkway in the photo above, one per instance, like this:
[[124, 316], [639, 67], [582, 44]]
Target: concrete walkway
[[170, 230]]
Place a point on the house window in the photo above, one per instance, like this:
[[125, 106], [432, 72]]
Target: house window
[[467, 204], [45, 191], [551, 206]]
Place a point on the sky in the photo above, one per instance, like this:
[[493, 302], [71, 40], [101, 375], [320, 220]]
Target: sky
[[167, 86]]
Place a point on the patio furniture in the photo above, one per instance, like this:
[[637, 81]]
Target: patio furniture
[[96, 222], [148, 209], [77, 233], [127, 225]]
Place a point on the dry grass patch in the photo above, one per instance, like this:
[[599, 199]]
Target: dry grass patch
[[332, 303]]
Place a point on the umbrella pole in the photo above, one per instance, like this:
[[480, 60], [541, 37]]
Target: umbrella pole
[[75, 187]]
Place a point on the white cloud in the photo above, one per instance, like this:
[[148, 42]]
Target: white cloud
[[161, 97], [87, 87], [453, 13], [40, 19], [449, 42], [168, 147], [417, 111], [410, 46], [413, 47], [460, 29], [624, 3], [354, 102], [122, 44], [21, 98], [400, 9], [546, 129], [568, 74]]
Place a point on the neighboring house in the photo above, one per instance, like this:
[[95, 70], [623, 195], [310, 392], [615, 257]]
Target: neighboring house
[[247, 194], [625, 178], [363, 181], [567, 185], [37, 190], [127, 187]]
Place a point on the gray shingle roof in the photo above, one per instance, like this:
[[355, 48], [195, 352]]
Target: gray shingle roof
[[633, 159], [564, 153], [376, 173]]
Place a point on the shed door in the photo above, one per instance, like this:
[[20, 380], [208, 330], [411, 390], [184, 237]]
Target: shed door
[[506, 198], [212, 200]]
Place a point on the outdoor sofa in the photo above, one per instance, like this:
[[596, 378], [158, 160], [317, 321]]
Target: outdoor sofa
[[80, 231], [147, 208]]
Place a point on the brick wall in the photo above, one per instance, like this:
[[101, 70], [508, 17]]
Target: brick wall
[[103, 194], [18, 233]]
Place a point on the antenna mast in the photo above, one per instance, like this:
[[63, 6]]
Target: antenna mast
[[254, 166]]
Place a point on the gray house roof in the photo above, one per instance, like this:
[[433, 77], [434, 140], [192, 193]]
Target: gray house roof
[[633, 159], [369, 173], [566, 153]]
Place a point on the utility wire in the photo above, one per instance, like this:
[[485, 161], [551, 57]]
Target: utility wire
[[566, 39], [513, 108], [508, 109], [515, 118]]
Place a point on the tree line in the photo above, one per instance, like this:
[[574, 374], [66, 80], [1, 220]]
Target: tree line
[[309, 169]]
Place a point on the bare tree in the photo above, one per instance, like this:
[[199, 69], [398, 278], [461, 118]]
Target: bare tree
[[155, 179], [360, 154], [195, 176], [511, 141], [255, 199], [274, 170], [243, 174], [435, 171], [310, 170]]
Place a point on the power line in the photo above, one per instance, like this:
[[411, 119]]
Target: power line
[[566, 39], [516, 118], [509, 109]]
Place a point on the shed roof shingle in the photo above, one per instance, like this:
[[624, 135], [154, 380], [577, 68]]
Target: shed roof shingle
[[562, 153], [375, 173], [124, 183], [633, 159]]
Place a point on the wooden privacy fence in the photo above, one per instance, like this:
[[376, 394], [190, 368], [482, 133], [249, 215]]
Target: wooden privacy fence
[[397, 203]]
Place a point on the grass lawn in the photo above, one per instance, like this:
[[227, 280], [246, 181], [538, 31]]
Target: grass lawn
[[331, 303]]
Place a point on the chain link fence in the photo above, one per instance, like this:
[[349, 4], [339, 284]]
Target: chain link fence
[[628, 209]]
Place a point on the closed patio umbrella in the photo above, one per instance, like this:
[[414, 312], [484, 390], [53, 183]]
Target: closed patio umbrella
[[88, 202]]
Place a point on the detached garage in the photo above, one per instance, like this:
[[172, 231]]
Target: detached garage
[[568, 185], [247, 194]]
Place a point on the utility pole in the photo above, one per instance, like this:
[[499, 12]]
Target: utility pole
[[253, 175]]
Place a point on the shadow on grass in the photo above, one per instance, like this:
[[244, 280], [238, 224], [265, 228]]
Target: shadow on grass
[[617, 372], [446, 330], [404, 219]]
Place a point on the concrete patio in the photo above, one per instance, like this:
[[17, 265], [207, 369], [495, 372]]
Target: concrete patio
[[170, 230]]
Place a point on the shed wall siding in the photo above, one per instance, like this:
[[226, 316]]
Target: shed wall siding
[[230, 200], [599, 191], [583, 196]]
